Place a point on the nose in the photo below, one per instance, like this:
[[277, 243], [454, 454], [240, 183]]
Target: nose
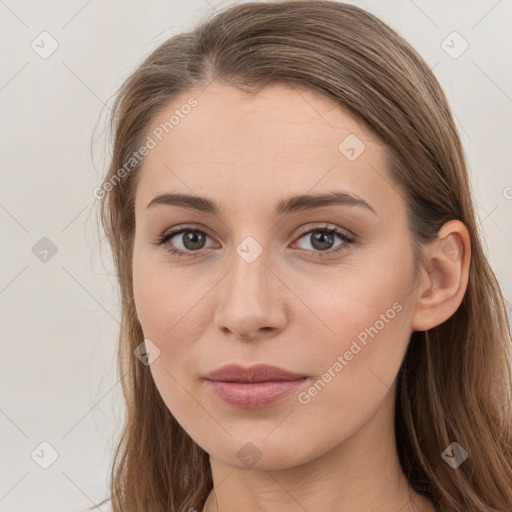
[[251, 300]]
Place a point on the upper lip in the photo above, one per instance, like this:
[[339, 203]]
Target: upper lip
[[255, 373]]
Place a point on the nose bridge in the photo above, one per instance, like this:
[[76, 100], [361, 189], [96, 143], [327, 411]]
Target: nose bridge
[[249, 296], [249, 276]]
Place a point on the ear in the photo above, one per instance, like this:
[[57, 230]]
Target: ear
[[444, 277]]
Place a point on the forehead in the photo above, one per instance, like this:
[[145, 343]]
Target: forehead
[[280, 141]]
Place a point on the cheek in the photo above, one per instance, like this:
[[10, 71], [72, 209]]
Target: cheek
[[165, 298], [355, 369], [166, 309], [360, 327], [171, 308], [341, 306]]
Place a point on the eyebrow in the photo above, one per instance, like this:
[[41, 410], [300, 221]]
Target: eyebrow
[[292, 204]]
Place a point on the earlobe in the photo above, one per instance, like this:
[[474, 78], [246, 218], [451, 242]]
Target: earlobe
[[445, 276]]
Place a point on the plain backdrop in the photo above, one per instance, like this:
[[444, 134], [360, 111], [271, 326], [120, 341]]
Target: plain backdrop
[[58, 302]]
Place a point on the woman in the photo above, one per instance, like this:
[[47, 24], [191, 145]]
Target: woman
[[309, 319]]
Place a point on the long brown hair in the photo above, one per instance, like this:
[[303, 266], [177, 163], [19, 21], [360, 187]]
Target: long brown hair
[[455, 380]]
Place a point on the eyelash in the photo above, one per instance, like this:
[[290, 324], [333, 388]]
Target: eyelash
[[347, 239]]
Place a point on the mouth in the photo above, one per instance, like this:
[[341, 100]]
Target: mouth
[[253, 387]]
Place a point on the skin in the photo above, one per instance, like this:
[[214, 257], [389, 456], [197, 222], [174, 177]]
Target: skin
[[286, 308]]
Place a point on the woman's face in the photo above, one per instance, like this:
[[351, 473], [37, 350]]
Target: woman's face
[[262, 280]]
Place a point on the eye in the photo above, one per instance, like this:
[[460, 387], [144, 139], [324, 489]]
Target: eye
[[192, 241], [322, 238]]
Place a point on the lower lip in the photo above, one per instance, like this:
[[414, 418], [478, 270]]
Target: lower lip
[[254, 395]]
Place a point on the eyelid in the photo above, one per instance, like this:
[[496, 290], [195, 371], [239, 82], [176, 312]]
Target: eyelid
[[327, 226], [184, 227], [302, 229]]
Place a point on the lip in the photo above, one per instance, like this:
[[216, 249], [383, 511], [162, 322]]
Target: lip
[[255, 373], [255, 386]]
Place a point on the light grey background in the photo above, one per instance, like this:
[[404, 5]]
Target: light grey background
[[59, 319]]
